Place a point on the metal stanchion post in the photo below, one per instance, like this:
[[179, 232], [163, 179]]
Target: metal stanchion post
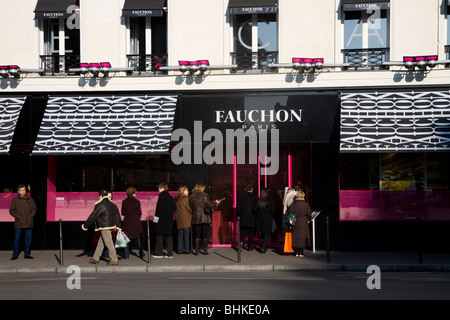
[[148, 241], [60, 243], [328, 239]]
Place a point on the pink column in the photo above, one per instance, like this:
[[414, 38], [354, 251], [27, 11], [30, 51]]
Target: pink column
[[259, 177], [51, 188], [289, 171]]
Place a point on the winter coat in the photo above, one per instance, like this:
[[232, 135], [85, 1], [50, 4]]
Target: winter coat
[[165, 209], [197, 201], [131, 212], [289, 198], [183, 215], [300, 232], [106, 215], [246, 210], [23, 209], [264, 217]]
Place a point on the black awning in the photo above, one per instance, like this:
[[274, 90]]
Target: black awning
[[106, 125], [252, 6], [362, 5], [395, 121], [143, 8], [10, 108], [54, 9]]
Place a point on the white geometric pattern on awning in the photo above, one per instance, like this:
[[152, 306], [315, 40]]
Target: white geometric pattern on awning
[[106, 125], [395, 121], [10, 108]]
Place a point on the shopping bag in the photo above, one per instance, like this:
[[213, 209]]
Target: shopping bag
[[288, 243], [121, 240]]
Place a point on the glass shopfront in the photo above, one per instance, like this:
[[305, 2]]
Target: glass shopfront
[[222, 140], [394, 156]]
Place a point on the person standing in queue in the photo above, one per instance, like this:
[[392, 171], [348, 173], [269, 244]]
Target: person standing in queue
[[265, 209], [106, 218], [246, 212], [300, 235], [23, 209], [165, 209], [201, 221], [132, 225], [183, 217]]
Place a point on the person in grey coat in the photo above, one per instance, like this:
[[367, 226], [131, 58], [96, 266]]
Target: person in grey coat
[[300, 234]]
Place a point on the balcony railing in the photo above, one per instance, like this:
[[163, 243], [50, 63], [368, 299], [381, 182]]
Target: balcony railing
[[56, 64], [256, 61], [366, 58], [147, 63]]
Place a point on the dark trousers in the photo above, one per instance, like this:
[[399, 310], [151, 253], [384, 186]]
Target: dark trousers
[[139, 244], [160, 242], [264, 236], [184, 240], [250, 232], [28, 236], [201, 230]]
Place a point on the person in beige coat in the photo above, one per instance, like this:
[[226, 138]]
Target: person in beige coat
[[183, 217]]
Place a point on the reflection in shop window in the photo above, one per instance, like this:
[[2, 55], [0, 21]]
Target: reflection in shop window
[[402, 171]]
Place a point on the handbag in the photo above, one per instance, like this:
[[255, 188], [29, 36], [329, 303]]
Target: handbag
[[208, 210], [292, 218], [121, 240]]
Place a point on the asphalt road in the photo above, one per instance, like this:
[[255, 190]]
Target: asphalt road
[[223, 286]]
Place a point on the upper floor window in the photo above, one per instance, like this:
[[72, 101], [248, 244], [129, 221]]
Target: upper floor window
[[60, 35], [366, 33], [147, 24], [255, 34], [447, 46]]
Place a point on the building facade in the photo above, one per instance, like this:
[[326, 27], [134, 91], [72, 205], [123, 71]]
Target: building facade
[[348, 98]]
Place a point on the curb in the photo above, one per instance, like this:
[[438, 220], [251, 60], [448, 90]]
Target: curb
[[230, 268]]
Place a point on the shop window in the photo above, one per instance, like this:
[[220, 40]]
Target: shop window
[[359, 172], [438, 171], [411, 185], [402, 171], [255, 41], [92, 173]]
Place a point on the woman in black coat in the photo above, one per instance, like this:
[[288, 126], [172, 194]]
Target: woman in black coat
[[132, 225], [165, 210], [264, 210], [300, 233]]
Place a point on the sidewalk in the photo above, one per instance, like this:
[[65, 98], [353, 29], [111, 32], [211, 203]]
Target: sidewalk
[[226, 259]]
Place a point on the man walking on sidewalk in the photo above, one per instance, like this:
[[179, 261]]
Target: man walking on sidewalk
[[106, 218], [23, 209]]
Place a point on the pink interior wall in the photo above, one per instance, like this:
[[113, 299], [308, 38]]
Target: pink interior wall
[[374, 205]]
